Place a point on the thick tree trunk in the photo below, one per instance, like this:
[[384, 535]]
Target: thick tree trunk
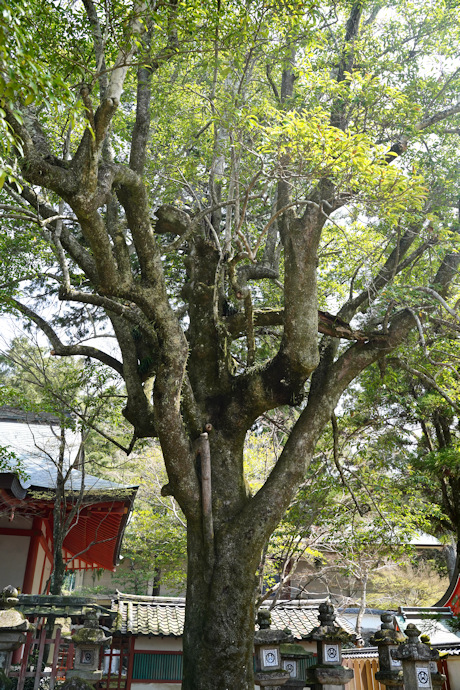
[[219, 625]]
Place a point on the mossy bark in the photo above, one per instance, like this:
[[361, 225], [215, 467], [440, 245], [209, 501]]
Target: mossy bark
[[219, 626]]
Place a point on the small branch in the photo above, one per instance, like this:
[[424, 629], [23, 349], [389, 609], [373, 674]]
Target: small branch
[[335, 455], [426, 380], [99, 45], [64, 350], [272, 83], [109, 305], [440, 299], [420, 331], [248, 310], [438, 117]]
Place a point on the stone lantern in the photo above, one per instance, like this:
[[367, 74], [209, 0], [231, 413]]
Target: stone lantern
[[437, 679], [88, 641], [329, 638], [267, 642], [13, 628], [387, 639], [416, 657], [292, 655]]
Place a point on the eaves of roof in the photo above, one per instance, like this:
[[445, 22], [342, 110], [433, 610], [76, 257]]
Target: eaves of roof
[[10, 482], [372, 652]]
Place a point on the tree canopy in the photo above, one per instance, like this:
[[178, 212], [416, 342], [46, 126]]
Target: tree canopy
[[213, 185]]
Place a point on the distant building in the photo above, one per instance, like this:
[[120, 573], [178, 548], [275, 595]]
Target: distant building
[[26, 506]]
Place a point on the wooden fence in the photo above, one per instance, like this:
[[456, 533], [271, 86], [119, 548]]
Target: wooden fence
[[365, 670], [43, 658]]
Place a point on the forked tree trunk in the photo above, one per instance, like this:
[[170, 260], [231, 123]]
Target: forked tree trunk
[[219, 625]]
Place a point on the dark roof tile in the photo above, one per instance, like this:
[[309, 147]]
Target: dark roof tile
[[165, 616]]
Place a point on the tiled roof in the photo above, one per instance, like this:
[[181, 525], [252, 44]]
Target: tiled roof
[[31, 440], [165, 616], [35, 443], [14, 414], [361, 653], [372, 652], [141, 615], [95, 535], [301, 617], [451, 650]]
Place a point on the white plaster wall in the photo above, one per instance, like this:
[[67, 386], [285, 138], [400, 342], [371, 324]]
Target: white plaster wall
[[158, 644], [19, 522], [13, 559], [93, 578], [38, 570], [46, 574], [453, 665]]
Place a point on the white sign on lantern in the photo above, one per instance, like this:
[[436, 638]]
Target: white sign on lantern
[[423, 676], [270, 657], [331, 654], [291, 666], [395, 663]]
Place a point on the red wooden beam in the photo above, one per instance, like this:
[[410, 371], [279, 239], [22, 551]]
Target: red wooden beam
[[32, 556]]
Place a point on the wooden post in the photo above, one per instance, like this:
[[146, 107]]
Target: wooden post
[[41, 651], [32, 555], [54, 665], [206, 494]]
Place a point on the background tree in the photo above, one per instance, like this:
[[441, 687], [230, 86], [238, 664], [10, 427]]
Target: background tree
[[155, 540], [355, 518], [410, 408], [77, 396], [225, 171]]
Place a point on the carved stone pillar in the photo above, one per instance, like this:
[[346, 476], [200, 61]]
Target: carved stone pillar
[[387, 639], [269, 671], [329, 673], [88, 641], [416, 657]]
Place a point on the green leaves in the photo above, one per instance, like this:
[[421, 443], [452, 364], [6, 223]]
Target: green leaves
[[354, 161], [9, 462], [26, 72], [155, 538]]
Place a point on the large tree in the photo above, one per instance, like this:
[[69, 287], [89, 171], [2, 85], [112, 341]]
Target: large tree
[[225, 170]]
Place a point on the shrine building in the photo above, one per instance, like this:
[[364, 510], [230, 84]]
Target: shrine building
[[27, 497]]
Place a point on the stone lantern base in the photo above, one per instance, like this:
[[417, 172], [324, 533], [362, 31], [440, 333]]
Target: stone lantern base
[[391, 679], [76, 683], [330, 675], [294, 683], [271, 679], [88, 676]]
